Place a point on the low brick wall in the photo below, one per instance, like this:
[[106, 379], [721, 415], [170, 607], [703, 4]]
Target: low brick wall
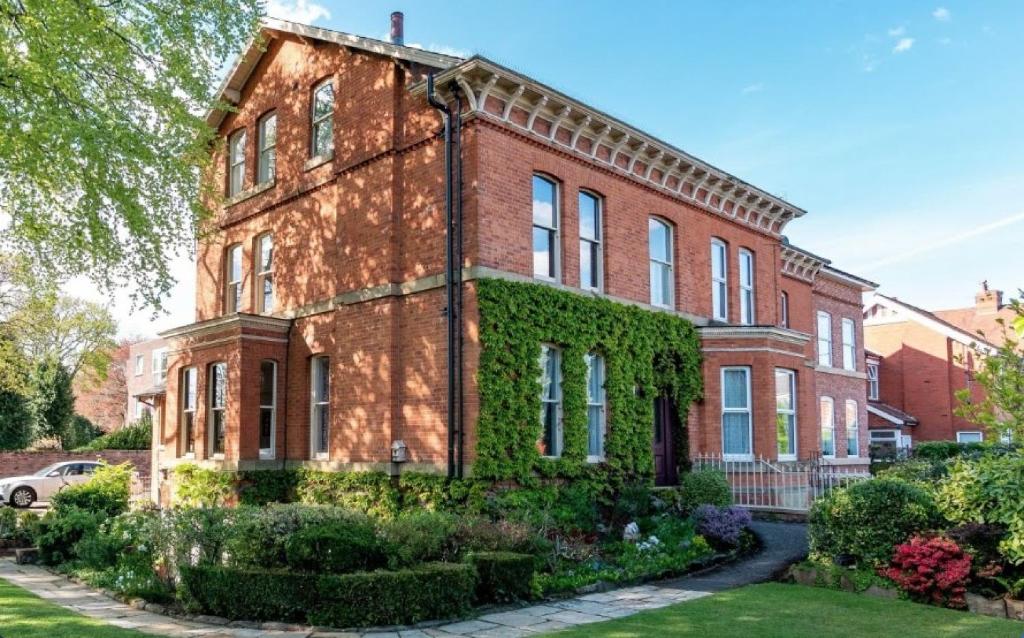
[[20, 463]]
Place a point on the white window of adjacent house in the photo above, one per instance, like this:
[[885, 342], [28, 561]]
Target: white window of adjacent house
[[236, 163], [140, 364], [824, 339], [591, 266], [320, 406], [873, 381], [189, 398], [784, 310], [719, 281], [969, 437], [596, 407], [747, 311], [827, 415], [550, 401], [785, 414], [265, 273], [322, 128], [737, 443], [159, 366], [218, 382], [267, 149], [852, 429], [546, 255], [268, 408], [849, 344], [660, 252], [233, 275]]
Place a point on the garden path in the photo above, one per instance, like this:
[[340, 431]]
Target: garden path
[[784, 543]]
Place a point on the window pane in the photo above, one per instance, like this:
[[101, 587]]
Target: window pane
[[852, 429], [595, 443], [783, 390], [746, 268], [323, 141], [189, 432], [720, 300], [268, 293], [589, 217], [236, 263], [588, 264], [238, 148], [219, 383], [323, 101], [266, 428], [736, 433], [267, 369], [218, 432], [543, 252], [658, 284], [718, 260], [734, 392], [266, 252], [785, 425], [543, 202], [549, 417], [268, 133], [659, 238], [827, 420]]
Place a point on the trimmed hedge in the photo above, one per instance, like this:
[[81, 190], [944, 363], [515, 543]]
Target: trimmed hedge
[[502, 577], [704, 487], [430, 591]]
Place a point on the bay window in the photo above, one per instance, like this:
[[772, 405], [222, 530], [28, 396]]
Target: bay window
[[785, 414], [218, 391], [852, 429], [268, 408], [320, 406], [737, 441], [828, 426]]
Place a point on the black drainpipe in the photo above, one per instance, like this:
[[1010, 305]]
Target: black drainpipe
[[457, 267]]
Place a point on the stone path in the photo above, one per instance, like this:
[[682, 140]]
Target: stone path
[[782, 542]]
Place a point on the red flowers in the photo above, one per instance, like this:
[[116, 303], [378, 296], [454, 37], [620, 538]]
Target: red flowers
[[931, 569]]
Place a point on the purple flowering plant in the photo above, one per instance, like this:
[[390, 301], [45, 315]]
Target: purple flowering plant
[[721, 526]]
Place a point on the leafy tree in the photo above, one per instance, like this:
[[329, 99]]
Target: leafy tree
[[1001, 377], [15, 421], [51, 404], [102, 133]]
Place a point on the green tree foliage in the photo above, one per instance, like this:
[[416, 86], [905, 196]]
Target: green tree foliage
[[102, 134], [134, 436], [78, 333], [80, 432], [15, 421], [1001, 375], [51, 402]]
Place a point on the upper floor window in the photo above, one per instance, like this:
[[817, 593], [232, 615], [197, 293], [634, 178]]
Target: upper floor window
[[140, 364], [218, 382], [268, 407], [873, 381], [590, 241], [189, 387], [320, 406], [159, 366], [322, 129], [849, 344], [595, 407], [784, 310], [785, 413], [265, 273], [233, 276], [737, 441], [746, 287], [719, 281], [852, 429], [660, 246], [236, 163], [824, 339], [550, 400], [827, 414], [545, 229], [267, 149]]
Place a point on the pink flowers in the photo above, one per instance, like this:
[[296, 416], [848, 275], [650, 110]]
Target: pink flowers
[[931, 569]]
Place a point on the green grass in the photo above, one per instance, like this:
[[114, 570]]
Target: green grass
[[791, 611], [25, 615]]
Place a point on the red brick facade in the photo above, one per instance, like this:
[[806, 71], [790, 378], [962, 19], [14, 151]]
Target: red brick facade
[[358, 267]]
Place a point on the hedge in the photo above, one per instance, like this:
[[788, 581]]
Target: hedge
[[430, 591], [502, 577]]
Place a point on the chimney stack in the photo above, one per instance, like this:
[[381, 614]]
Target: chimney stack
[[397, 28], [988, 301]]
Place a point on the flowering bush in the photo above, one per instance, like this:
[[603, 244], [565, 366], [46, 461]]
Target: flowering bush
[[931, 569], [721, 526]]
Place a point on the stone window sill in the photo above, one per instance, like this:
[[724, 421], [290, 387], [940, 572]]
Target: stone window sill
[[316, 161], [252, 192]]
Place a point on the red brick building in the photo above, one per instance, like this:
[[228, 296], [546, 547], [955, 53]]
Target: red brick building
[[320, 335], [920, 359]]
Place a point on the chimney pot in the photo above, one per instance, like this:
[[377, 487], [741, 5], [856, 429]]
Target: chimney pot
[[397, 28], [988, 301]]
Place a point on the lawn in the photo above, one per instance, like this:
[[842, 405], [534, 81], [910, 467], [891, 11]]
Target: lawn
[[25, 615], [791, 611]]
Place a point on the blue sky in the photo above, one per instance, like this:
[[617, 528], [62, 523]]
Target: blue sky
[[897, 125]]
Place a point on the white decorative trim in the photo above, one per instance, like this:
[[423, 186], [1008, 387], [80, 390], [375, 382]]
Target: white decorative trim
[[755, 332], [799, 264], [853, 374], [239, 320], [885, 415], [798, 355]]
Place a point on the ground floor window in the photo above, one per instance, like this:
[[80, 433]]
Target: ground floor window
[[595, 407], [189, 384], [320, 406], [852, 429], [218, 403], [785, 414], [268, 407], [969, 437], [550, 401], [828, 426], [736, 430]]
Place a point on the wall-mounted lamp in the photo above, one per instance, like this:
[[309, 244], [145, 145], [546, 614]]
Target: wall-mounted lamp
[[399, 453]]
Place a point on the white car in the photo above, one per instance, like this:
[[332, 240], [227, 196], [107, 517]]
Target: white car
[[22, 491]]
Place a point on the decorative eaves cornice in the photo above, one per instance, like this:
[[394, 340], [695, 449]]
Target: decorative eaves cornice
[[800, 264], [500, 94], [241, 321], [784, 335]]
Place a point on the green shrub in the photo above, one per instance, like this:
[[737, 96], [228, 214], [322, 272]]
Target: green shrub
[[337, 547], [15, 421], [370, 492], [481, 534], [201, 487], [60, 533], [704, 487], [567, 509], [8, 523], [80, 432], [632, 503], [418, 537], [868, 519], [502, 577], [944, 450], [924, 472], [247, 594], [428, 592], [988, 490], [107, 492], [134, 436]]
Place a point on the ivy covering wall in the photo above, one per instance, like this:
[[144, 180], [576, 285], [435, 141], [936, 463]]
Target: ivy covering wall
[[646, 354]]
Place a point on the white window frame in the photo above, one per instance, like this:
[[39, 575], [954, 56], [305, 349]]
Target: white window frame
[[791, 411], [749, 455], [140, 365], [554, 232], [318, 405], [959, 436], [719, 281], [824, 339], [748, 309], [852, 428], [831, 428], [233, 286], [592, 247], [595, 365], [873, 381], [559, 436], [848, 332], [211, 382], [236, 162], [325, 120], [189, 405], [264, 274], [266, 164], [268, 453], [159, 366], [668, 266], [784, 309]]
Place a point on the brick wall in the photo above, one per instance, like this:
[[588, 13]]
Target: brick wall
[[21, 463]]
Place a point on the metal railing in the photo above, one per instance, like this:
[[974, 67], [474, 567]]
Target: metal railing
[[760, 483]]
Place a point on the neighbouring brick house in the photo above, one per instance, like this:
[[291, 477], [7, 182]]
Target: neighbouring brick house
[[320, 336], [920, 359], [146, 376]]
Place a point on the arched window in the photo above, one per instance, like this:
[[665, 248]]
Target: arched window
[[233, 279], [265, 273], [591, 266], [852, 429], [546, 257], [236, 163], [719, 280], [784, 310], [217, 380], [267, 146], [747, 313], [660, 252], [322, 124], [827, 410]]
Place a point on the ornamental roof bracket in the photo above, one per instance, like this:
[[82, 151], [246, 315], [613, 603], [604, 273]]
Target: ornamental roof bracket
[[562, 114], [601, 137], [486, 90], [637, 153], [623, 141], [652, 163], [582, 126], [468, 90], [512, 99], [537, 107], [667, 172]]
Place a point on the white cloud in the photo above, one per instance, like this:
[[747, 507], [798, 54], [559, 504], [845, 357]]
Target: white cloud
[[752, 88], [896, 32], [903, 45], [304, 11], [942, 14]]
